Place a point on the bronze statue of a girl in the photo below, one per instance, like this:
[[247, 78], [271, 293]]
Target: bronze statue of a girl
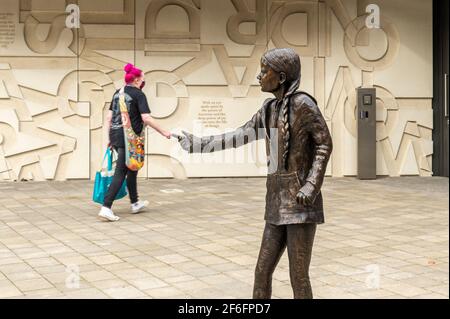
[[293, 201]]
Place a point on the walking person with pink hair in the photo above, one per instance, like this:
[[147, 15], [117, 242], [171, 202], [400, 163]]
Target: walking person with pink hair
[[139, 117]]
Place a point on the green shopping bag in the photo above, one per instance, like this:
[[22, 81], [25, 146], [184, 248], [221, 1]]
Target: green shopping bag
[[103, 179]]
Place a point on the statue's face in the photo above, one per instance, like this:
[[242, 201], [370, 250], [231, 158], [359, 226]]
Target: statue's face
[[268, 78]]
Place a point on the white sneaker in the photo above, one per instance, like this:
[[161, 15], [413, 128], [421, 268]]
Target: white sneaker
[[107, 214], [139, 206]]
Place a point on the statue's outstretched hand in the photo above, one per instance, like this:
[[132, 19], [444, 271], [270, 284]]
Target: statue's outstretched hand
[[189, 142]]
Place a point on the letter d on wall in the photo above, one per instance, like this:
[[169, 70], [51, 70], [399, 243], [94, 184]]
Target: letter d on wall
[[73, 19], [373, 19]]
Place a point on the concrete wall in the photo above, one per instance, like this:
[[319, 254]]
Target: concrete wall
[[201, 58]]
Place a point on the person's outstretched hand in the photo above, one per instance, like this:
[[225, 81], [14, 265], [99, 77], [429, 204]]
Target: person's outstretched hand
[[166, 134], [187, 141]]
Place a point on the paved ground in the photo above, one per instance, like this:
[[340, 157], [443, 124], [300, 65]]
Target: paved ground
[[382, 239]]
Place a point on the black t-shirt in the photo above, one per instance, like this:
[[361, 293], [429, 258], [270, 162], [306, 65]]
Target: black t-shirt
[[136, 102]]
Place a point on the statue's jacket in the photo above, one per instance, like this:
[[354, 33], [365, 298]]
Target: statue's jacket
[[309, 150]]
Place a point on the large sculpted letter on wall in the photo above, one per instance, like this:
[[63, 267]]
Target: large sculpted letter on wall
[[244, 15]]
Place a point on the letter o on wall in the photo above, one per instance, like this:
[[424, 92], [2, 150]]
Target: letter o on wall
[[386, 59]]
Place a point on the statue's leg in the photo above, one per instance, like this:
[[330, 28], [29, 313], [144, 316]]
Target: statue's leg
[[300, 239], [272, 247]]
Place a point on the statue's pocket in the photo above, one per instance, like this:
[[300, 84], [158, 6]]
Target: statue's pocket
[[289, 187]]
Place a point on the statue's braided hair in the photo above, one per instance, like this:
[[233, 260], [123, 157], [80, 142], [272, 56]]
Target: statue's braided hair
[[288, 62]]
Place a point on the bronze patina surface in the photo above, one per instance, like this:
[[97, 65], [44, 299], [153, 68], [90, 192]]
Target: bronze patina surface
[[303, 145]]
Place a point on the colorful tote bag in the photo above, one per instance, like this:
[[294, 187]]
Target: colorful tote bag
[[103, 179], [134, 143]]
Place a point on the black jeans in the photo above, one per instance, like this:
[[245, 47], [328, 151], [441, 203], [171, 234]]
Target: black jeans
[[299, 240], [120, 173]]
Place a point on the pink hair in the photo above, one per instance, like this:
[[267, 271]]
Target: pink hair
[[131, 73]]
